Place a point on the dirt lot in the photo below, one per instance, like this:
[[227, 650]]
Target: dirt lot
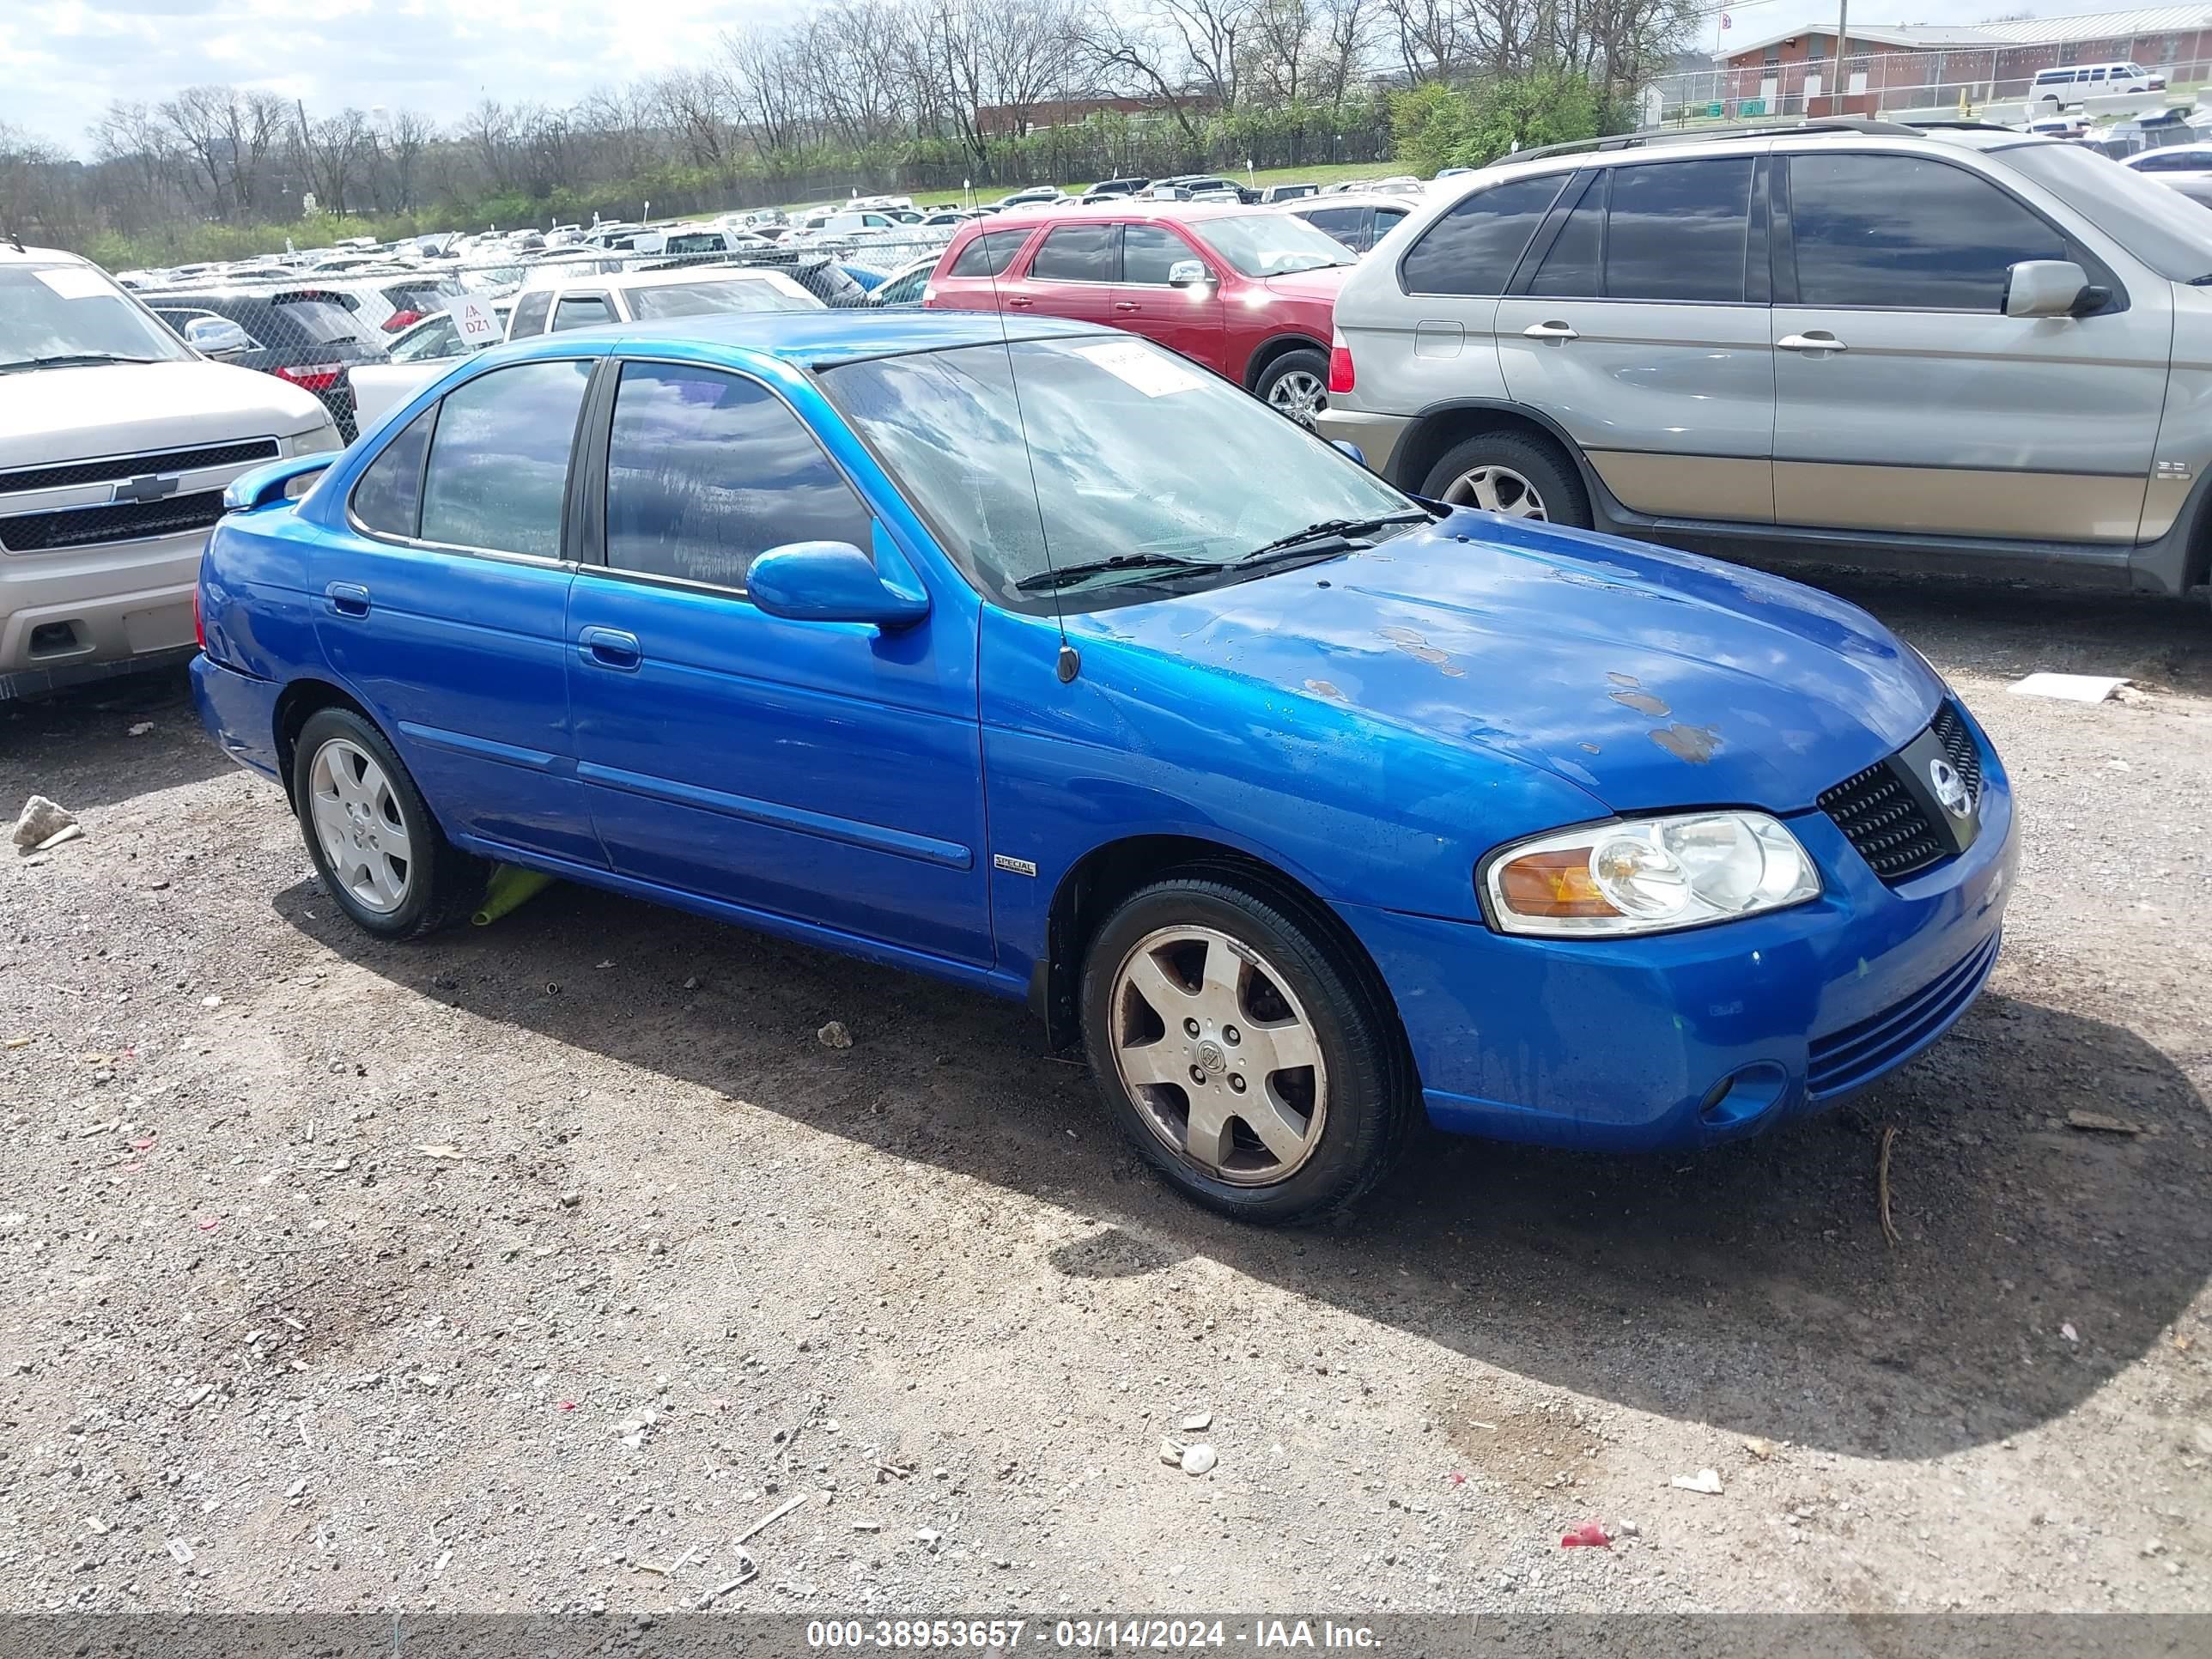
[[529, 1267]]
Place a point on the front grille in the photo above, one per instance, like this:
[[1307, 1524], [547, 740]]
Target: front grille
[[125, 521], [1887, 823], [1859, 1054], [1896, 827], [114, 467]]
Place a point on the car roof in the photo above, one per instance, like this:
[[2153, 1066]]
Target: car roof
[[831, 336], [1749, 139], [1125, 209]]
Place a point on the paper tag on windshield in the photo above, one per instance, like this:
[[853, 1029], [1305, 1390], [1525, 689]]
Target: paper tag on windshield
[[75, 282], [1153, 372]]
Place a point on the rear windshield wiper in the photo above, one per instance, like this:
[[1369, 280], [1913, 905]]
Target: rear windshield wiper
[[72, 360], [1332, 529], [1067, 575]]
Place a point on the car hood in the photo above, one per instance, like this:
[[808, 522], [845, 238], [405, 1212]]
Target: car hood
[[49, 415], [1649, 678], [1321, 284]]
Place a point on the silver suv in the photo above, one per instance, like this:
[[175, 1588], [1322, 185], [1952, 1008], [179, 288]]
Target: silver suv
[[1850, 340]]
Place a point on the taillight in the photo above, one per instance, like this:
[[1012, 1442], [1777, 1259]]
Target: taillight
[[313, 377], [400, 320], [199, 624], [1340, 365]]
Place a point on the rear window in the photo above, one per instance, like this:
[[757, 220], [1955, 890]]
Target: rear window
[[989, 253], [706, 299], [1474, 248], [317, 322]]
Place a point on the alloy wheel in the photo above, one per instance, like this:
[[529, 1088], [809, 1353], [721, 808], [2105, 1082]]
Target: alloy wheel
[[359, 827], [1496, 490], [1299, 395], [1218, 1055]]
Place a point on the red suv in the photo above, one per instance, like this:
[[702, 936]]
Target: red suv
[[1249, 292]]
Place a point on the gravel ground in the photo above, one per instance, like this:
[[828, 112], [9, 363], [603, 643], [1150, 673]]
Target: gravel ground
[[528, 1268]]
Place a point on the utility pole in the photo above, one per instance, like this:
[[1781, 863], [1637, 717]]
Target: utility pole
[[1842, 42]]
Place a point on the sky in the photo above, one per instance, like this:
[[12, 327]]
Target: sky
[[62, 61]]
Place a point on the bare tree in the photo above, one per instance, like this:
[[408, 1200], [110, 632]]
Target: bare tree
[[336, 147]]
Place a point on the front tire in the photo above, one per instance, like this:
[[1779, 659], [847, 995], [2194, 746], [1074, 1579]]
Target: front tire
[[1245, 1058], [1511, 474], [1297, 384], [371, 836]]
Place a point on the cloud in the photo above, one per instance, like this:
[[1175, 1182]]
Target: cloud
[[64, 61]]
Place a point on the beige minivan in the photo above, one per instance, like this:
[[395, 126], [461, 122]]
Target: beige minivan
[[1852, 340]]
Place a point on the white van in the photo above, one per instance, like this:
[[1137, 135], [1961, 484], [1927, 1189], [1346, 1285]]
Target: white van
[[2060, 88], [117, 439]]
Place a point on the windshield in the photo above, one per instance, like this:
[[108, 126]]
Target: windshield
[[1272, 243], [2162, 227], [74, 311], [705, 299], [1133, 450]]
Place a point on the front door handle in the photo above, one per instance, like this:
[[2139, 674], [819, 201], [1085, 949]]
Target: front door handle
[[346, 598], [1814, 339], [1019, 303], [1557, 333], [609, 648], [1127, 305]]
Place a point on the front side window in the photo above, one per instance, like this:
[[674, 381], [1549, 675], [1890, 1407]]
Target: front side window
[[499, 462], [1149, 251], [530, 313], [582, 311], [706, 470], [1676, 231], [1474, 248], [389, 498], [1133, 450], [436, 337], [1076, 253], [1908, 233]]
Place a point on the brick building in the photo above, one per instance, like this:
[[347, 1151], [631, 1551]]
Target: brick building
[[1892, 66]]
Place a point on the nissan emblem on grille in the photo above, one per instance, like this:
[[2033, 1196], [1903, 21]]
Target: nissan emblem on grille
[[1950, 788]]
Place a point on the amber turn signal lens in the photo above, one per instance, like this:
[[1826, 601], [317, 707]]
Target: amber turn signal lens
[[1554, 884]]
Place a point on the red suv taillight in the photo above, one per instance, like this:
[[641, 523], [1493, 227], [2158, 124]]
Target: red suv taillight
[[312, 377], [400, 320], [1340, 365]]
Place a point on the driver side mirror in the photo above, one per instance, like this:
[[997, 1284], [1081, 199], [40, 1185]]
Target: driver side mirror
[[832, 582], [1190, 273], [2051, 288], [217, 337]]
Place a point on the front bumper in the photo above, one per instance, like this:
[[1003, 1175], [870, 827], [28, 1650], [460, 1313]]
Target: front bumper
[[76, 613], [1684, 1039]]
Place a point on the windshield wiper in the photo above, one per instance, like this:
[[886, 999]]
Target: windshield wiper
[[1067, 575], [1332, 529], [72, 360]]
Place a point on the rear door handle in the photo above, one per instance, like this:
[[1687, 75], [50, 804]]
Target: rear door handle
[[609, 648], [1019, 303], [1559, 331], [1817, 339], [346, 598], [1126, 305]]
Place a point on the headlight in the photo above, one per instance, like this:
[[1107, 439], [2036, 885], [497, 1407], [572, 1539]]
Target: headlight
[[1647, 876], [316, 440]]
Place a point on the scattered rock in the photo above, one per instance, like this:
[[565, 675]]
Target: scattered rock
[[1197, 1421], [1707, 1481], [2102, 1124], [39, 819], [96, 1524], [834, 1036], [1627, 1529], [142, 729], [2070, 1333], [1199, 1458], [1759, 1447], [61, 837], [928, 1537], [1171, 1451]]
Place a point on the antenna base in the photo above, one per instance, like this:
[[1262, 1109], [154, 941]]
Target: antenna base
[[1071, 664]]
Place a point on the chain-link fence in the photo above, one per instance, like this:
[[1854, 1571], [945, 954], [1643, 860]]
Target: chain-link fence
[[360, 327]]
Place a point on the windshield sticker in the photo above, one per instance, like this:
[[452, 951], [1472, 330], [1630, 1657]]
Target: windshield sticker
[[73, 282], [1149, 372]]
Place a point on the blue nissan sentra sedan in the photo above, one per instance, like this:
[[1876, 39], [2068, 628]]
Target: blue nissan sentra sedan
[[1044, 661]]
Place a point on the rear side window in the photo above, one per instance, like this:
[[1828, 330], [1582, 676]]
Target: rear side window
[[530, 315], [1149, 252], [989, 253], [582, 311], [1907, 234], [706, 470], [1474, 248], [1076, 253], [389, 498], [499, 463], [1676, 231]]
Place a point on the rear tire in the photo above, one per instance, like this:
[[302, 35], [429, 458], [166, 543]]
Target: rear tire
[[1510, 473], [371, 836], [1297, 384], [1245, 1058]]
